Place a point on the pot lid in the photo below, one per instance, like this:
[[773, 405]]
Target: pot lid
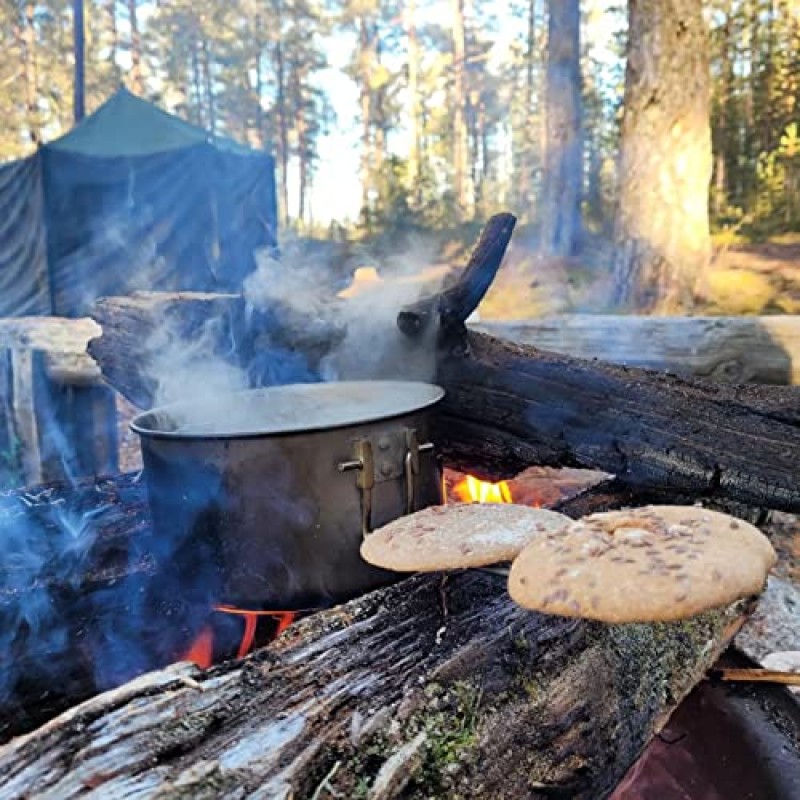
[[296, 408]]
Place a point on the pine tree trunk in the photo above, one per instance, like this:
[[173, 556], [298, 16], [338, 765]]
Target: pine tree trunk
[[527, 194], [208, 79], [460, 141], [302, 154], [662, 229], [365, 59], [197, 89], [136, 49], [113, 36], [413, 103], [31, 76], [79, 53], [563, 160], [258, 88], [280, 103]]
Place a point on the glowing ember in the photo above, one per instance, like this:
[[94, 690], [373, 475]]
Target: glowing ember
[[473, 490]]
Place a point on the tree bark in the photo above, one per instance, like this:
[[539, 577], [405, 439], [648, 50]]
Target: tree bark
[[563, 159], [414, 167], [460, 142], [661, 227], [432, 687], [137, 83]]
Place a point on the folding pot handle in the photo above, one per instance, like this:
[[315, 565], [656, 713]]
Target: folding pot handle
[[364, 464]]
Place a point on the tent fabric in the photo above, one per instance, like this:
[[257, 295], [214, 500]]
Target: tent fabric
[[134, 198], [126, 125], [24, 285]]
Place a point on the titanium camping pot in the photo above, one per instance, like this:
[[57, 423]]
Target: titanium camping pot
[[270, 491]]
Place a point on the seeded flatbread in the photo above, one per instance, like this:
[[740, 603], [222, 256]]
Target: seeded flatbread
[[457, 536], [651, 564]]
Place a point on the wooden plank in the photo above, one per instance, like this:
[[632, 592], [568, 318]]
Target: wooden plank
[[26, 427], [64, 340], [729, 349]]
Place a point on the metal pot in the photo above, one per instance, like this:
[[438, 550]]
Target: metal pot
[[273, 489]]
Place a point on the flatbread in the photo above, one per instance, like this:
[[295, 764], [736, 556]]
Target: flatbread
[[656, 563], [457, 536]]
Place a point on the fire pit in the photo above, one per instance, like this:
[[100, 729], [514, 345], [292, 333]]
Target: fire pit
[[439, 685]]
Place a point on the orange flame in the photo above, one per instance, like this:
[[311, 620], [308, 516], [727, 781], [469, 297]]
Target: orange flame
[[473, 490], [202, 649]]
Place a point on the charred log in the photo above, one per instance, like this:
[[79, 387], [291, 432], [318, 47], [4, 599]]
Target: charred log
[[432, 687], [508, 406], [76, 561], [456, 302], [145, 334]]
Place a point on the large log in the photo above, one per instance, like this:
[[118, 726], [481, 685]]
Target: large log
[[149, 336], [63, 340], [508, 406], [57, 418], [80, 561], [728, 349], [433, 687]]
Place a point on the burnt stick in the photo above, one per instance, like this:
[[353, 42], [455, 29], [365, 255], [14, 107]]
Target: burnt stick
[[455, 303]]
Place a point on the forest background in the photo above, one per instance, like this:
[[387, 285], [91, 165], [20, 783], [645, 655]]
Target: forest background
[[648, 148]]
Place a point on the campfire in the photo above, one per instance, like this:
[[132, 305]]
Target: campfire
[[535, 487], [431, 685]]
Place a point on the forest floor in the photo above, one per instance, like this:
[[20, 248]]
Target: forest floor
[[759, 278]]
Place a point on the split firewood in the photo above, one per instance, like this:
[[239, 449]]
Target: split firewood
[[756, 675], [385, 697]]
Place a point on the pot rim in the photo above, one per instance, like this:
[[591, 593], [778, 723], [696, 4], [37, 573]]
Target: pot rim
[[429, 395]]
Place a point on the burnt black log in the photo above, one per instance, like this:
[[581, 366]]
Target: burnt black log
[[459, 299], [76, 577], [508, 406]]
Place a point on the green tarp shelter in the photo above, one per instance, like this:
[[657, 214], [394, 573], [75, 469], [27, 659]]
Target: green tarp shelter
[[132, 198]]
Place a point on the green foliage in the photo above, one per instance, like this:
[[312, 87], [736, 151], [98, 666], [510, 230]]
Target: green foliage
[[755, 50], [777, 203]]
